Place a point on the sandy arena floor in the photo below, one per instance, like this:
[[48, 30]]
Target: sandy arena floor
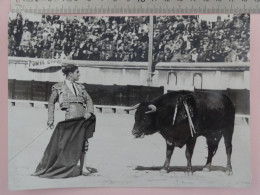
[[121, 160]]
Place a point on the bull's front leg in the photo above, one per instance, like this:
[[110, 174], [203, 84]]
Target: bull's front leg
[[169, 151], [189, 151]]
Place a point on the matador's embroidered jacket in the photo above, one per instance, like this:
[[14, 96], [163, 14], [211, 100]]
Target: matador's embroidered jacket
[[73, 105]]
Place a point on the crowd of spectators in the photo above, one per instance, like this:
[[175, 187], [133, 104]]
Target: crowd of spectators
[[178, 38], [79, 38], [191, 39]]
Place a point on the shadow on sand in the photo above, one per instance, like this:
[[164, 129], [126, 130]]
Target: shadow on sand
[[92, 170], [181, 168]]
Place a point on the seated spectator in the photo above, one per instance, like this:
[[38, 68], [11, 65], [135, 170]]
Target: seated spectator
[[160, 57], [177, 56], [168, 55], [26, 38]]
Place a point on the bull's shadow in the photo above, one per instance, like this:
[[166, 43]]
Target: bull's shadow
[[181, 168]]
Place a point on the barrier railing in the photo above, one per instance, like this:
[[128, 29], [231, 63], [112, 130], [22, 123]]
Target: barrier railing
[[85, 63], [159, 66], [204, 66], [98, 108]]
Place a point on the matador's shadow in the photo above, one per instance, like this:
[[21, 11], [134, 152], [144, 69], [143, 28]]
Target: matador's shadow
[[181, 168], [92, 170]]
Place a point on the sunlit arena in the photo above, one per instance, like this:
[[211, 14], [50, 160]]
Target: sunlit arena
[[121, 69]]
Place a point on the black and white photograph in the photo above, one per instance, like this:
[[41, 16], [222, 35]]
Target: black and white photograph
[[128, 101]]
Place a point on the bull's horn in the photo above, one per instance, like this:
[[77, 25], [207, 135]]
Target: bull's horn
[[153, 109], [133, 107]]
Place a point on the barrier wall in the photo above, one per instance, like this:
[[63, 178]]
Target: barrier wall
[[126, 83], [114, 95], [172, 76], [92, 72], [240, 99], [101, 94], [217, 76]]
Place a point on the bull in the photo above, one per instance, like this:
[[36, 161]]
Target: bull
[[182, 116]]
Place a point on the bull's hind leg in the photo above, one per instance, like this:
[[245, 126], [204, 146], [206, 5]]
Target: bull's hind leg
[[189, 152], [212, 141], [228, 143]]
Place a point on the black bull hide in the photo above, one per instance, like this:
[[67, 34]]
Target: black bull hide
[[181, 116]]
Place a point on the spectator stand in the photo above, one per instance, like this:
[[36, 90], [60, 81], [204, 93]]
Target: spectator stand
[[208, 38], [79, 38]]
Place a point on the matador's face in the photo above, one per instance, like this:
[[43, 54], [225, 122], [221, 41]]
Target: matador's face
[[75, 75]]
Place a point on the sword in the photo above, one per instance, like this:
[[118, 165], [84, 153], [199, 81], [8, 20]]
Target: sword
[[27, 145]]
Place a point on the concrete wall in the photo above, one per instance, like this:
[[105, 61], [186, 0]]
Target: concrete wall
[[173, 76], [106, 73], [218, 76]]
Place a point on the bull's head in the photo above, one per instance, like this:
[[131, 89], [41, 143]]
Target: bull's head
[[144, 119]]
